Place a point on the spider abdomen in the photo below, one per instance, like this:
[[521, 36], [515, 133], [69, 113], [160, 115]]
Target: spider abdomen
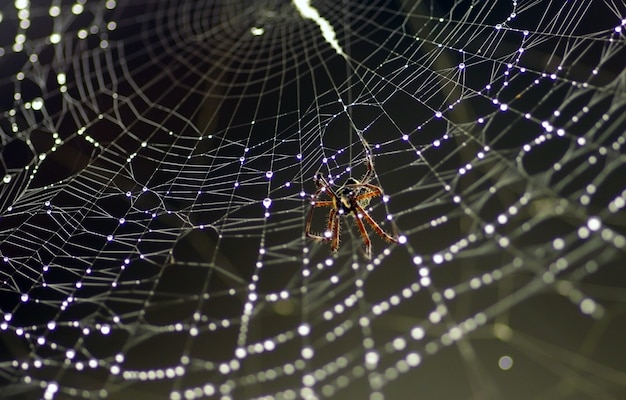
[[344, 205]]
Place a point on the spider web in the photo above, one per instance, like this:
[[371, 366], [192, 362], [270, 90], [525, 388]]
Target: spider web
[[157, 161]]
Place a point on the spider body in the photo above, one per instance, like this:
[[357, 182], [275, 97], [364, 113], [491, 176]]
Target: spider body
[[345, 202], [350, 199]]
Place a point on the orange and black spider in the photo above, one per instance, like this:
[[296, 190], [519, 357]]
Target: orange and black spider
[[350, 199]]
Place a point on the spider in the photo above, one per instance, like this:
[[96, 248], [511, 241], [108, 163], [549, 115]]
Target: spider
[[350, 199]]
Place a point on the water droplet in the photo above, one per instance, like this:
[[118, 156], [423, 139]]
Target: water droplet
[[269, 174], [37, 104], [267, 202], [256, 31]]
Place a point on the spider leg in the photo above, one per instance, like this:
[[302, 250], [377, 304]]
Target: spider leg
[[369, 163], [375, 225], [329, 234], [373, 190], [323, 185], [365, 196], [323, 203], [366, 239], [309, 218], [334, 222], [367, 192]]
